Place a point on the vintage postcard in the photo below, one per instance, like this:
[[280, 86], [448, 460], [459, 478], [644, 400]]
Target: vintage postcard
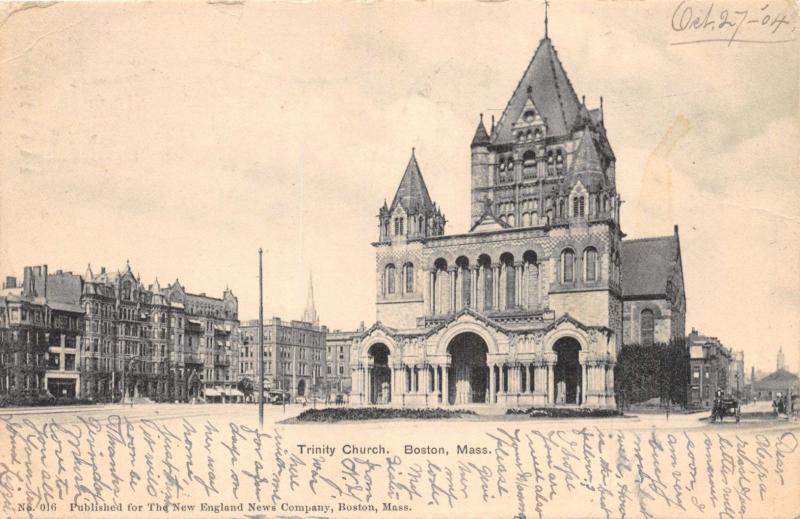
[[446, 259]]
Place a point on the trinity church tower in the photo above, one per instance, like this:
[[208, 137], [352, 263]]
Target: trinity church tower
[[525, 307]]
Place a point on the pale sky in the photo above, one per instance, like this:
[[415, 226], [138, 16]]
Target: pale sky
[[184, 136]]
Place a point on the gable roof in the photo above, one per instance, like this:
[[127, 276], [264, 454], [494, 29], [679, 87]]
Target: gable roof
[[647, 265], [781, 376], [551, 91], [412, 193], [488, 222]]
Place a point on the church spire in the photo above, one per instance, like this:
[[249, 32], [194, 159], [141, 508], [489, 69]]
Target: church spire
[[310, 314], [546, 3]]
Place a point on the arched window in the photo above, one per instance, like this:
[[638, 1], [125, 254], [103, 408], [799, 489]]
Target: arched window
[[590, 264], [485, 264], [511, 220], [578, 206], [568, 266], [409, 277], [647, 327], [389, 282], [559, 161], [465, 279], [529, 163], [526, 219], [507, 261]]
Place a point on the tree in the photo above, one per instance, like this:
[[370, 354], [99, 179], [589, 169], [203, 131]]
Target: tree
[[246, 387], [657, 371]]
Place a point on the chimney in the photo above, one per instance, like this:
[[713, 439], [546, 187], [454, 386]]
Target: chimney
[[102, 270]]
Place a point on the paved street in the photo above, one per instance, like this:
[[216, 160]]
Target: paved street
[[247, 414]]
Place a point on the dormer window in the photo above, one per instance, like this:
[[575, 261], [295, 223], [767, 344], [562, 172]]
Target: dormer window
[[529, 116], [537, 134]]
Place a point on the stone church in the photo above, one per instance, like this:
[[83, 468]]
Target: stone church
[[527, 307]]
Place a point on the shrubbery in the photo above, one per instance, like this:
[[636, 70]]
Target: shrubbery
[[564, 412], [377, 413], [658, 371], [39, 399]]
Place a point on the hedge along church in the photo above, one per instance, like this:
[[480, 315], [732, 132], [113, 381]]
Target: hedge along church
[[529, 306]]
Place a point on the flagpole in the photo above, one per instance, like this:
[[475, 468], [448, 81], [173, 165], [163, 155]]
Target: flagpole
[[260, 341]]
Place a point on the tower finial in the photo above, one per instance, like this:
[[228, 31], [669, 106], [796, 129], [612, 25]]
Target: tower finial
[[546, 3], [481, 116], [413, 150]]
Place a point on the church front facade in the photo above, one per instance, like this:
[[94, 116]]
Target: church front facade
[[526, 307]]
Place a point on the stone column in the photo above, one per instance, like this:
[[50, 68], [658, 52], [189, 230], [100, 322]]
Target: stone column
[[492, 383], [496, 285], [473, 287], [584, 382], [451, 271], [445, 385], [479, 289], [551, 383], [459, 291], [518, 299], [502, 279], [368, 390], [436, 379], [431, 292]]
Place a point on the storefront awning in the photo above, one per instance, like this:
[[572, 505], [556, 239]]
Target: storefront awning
[[211, 391]]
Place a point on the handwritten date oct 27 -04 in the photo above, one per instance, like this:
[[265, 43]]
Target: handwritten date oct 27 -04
[[701, 22]]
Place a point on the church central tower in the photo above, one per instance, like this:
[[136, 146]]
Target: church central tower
[[548, 160]]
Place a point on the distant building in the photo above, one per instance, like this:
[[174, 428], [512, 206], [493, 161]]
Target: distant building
[[779, 381], [736, 375], [338, 344], [101, 336], [294, 353], [709, 368]]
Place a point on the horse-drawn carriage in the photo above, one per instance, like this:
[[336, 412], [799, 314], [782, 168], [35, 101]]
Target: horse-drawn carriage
[[725, 406]]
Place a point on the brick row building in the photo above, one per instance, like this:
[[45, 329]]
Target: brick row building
[[99, 336]]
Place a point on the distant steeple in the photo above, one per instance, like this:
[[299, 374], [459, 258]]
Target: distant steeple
[[89, 276], [310, 313], [781, 362]]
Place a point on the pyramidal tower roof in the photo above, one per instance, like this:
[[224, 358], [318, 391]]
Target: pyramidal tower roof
[[412, 194], [586, 157], [310, 314], [551, 91], [481, 137]]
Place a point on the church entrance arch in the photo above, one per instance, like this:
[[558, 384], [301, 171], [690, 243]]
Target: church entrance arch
[[469, 374], [301, 388], [380, 374], [568, 383]]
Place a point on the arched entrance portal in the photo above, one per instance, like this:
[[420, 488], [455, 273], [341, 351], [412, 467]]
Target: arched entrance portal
[[380, 375], [301, 388], [568, 382], [468, 372]]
